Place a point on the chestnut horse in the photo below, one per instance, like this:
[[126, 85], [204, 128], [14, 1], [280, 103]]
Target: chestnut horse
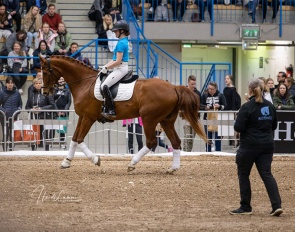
[[154, 100]]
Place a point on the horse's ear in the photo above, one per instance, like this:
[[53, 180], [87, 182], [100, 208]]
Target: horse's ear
[[42, 58]]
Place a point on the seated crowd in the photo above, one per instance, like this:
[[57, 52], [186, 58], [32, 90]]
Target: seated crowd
[[42, 33]]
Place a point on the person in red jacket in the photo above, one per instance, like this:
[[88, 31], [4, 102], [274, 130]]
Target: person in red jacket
[[52, 18]]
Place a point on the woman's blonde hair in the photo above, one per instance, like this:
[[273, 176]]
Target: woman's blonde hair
[[265, 87], [36, 79], [105, 26], [29, 19], [255, 88]]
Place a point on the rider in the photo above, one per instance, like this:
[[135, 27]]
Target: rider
[[119, 64]]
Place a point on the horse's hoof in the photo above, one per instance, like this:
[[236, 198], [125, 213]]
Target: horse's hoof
[[96, 160], [130, 168], [171, 171], [66, 163]]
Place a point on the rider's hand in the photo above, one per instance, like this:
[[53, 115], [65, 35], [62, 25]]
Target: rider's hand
[[104, 70]]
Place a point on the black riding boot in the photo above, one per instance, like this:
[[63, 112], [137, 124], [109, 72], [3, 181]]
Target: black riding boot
[[109, 103]]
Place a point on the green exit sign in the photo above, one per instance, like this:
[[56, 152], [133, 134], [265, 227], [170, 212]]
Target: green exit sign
[[250, 32]]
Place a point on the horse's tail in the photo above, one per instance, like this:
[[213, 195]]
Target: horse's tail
[[189, 103]]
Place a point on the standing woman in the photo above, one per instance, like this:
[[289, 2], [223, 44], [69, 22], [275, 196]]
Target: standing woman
[[36, 102], [10, 101], [256, 122], [32, 25], [233, 101], [120, 65], [213, 101], [271, 85]]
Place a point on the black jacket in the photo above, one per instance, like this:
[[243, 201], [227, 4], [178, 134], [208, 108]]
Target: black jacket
[[209, 101], [256, 123], [233, 99], [62, 98], [36, 98], [12, 101]]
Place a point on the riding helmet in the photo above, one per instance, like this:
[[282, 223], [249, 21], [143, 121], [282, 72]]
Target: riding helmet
[[121, 25]]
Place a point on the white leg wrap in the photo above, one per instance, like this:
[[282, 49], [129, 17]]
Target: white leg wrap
[[85, 150], [176, 159], [137, 157], [72, 149]]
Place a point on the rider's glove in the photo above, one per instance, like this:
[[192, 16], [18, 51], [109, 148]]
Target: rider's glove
[[104, 70]]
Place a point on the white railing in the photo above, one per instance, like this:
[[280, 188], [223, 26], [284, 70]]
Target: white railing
[[112, 138]]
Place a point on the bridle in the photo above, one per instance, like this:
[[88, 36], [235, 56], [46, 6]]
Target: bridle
[[51, 73]]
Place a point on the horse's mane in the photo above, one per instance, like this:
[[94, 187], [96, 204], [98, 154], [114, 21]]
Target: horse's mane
[[71, 59]]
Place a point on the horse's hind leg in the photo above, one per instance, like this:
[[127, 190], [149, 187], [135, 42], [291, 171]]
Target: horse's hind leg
[[83, 127], [169, 129]]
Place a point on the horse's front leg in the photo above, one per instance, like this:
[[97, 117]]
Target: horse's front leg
[[83, 127]]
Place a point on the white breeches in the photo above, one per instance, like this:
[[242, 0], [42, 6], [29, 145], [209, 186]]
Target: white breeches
[[117, 74]]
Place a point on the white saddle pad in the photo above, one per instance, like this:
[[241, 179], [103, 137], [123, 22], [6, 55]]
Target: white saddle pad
[[125, 91]]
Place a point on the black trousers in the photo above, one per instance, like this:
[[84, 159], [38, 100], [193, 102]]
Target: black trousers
[[275, 4], [262, 157], [138, 131]]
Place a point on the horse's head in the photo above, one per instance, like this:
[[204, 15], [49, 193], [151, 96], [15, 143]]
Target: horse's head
[[50, 76]]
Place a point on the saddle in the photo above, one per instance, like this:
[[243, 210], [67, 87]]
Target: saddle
[[128, 78]]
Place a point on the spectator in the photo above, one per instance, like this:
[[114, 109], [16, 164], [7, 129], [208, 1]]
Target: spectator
[[251, 4], [13, 9], [39, 76], [45, 33], [178, 9], [106, 32], [42, 50], [63, 100], [36, 102], [5, 22], [275, 4], [63, 40], [282, 99], [265, 91], [281, 78], [189, 133], [95, 14], [41, 4], [77, 55], [233, 102], [233, 98], [137, 10], [256, 122], [289, 70], [17, 65], [134, 126], [159, 131], [32, 25], [114, 8], [20, 37], [289, 82], [213, 100], [270, 84], [52, 18], [10, 101]]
